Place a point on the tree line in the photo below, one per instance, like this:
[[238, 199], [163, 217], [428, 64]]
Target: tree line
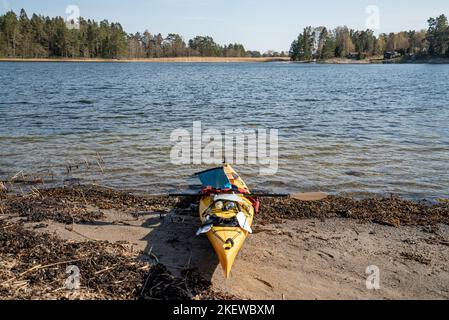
[[343, 42], [45, 37]]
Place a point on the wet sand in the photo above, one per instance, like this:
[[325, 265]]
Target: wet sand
[[317, 250]]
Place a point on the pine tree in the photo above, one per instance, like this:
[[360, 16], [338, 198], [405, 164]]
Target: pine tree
[[11, 33], [438, 35], [329, 47]]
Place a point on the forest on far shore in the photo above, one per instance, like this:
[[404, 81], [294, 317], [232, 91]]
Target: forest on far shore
[[321, 43], [45, 37]]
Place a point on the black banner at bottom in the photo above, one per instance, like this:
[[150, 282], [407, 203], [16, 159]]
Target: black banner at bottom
[[220, 309]]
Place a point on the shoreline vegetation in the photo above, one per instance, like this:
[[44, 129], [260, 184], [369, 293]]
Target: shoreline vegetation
[[423, 46], [42, 39], [336, 61]]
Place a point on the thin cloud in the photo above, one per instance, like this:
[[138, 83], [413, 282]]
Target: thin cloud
[[210, 19], [5, 5]]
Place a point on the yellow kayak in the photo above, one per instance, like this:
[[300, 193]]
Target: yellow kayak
[[226, 214]]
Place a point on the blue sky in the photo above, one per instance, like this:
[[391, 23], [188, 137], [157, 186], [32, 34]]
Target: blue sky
[[258, 24]]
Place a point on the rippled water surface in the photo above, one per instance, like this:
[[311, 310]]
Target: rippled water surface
[[342, 128]]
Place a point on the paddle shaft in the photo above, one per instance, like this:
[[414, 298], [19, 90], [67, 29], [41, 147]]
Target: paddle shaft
[[310, 196]]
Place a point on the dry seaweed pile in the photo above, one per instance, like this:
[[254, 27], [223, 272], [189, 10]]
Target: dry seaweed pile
[[79, 204], [106, 198], [388, 211], [33, 266], [85, 204], [37, 207]]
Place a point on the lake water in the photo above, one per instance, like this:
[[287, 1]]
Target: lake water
[[342, 128]]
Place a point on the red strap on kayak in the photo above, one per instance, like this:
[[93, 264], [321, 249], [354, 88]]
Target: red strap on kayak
[[256, 204], [207, 191]]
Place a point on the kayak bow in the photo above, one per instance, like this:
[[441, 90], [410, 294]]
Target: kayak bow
[[226, 216]]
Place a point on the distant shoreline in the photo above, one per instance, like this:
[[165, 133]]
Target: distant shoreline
[[381, 61], [343, 61], [178, 59]]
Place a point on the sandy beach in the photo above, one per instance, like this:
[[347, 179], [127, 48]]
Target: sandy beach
[[314, 250]]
